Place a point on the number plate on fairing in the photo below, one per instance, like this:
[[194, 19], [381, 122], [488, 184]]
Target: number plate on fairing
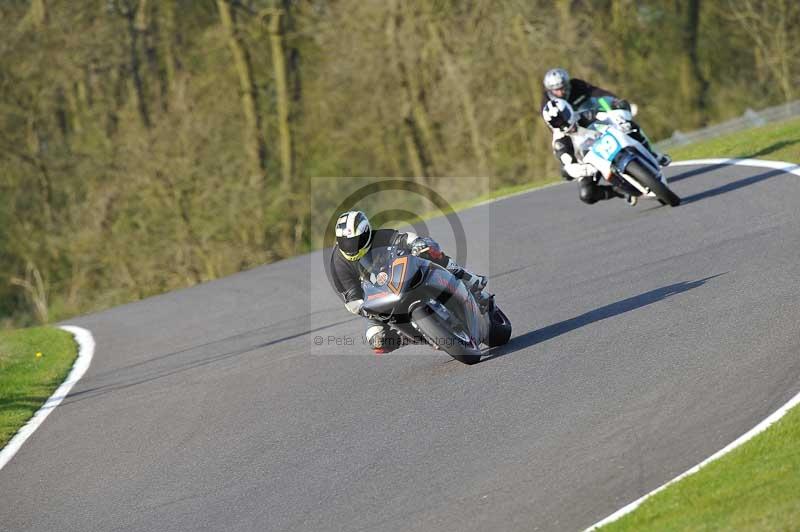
[[606, 147]]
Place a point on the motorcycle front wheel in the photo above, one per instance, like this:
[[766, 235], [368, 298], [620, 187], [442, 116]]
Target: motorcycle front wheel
[[647, 179], [455, 343]]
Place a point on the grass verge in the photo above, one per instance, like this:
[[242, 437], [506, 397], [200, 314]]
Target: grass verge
[[757, 485], [779, 142], [33, 363], [754, 487]]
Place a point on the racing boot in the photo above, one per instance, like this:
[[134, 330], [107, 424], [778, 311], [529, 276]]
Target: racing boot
[[593, 194], [625, 192], [474, 282], [661, 158]]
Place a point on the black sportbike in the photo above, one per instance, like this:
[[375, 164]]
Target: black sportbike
[[425, 303]]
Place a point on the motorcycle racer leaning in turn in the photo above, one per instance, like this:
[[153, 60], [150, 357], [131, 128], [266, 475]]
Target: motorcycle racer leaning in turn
[[583, 96], [354, 238], [565, 123], [568, 129]]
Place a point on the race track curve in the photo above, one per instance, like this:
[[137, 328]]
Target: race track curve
[[645, 339]]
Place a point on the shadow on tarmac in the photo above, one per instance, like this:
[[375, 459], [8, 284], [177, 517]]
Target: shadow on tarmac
[[538, 336]]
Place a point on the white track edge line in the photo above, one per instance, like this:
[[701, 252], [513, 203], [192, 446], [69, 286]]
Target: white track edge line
[[86, 346], [761, 427], [778, 165], [791, 168], [518, 193]]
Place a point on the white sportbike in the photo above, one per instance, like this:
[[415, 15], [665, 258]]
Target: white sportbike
[[622, 160]]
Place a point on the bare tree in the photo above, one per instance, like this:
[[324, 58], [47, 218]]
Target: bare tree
[[254, 139], [772, 26]]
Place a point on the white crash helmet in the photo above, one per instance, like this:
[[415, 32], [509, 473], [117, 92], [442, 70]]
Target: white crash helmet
[[353, 234], [554, 79], [558, 114]]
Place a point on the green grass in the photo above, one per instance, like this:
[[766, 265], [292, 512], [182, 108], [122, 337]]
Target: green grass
[[27, 380], [457, 206], [757, 485], [754, 487], [498, 193], [779, 142]]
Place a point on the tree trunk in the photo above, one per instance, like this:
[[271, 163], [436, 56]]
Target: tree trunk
[[282, 92], [256, 149], [132, 16], [38, 12], [786, 37], [460, 84], [432, 149], [35, 17], [413, 150], [35, 148], [621, 11], [414, 116], [691, 35], [534, 85], [75, 108], [166, 30]]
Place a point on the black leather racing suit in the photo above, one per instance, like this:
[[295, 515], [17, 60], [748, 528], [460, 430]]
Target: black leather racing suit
[[345, 275], [346, 280]]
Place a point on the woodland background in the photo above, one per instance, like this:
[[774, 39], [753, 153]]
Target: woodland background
[[150, 145]]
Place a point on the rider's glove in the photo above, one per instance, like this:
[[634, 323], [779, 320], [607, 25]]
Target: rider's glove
[[622, 124], [618, 120], [428, 246], [579, 170], [621, 104]]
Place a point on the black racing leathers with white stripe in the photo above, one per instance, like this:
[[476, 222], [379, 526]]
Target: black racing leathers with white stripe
[[580, 91]]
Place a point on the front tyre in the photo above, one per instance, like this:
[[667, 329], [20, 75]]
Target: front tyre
[[457, 344], [651, 181]]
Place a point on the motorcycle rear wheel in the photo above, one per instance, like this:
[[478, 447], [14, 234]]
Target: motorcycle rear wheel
[[500, 332]]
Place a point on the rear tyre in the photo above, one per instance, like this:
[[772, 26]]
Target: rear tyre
[[457, 344], [649, 180], [500, 333]]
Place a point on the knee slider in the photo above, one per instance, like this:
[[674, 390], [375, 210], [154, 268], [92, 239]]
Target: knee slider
[[375, 333], [383, 338], [587, 195]]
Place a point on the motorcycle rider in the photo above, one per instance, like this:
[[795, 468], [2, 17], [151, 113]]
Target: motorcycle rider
[[354, 238], [578, 93], [564, 121]]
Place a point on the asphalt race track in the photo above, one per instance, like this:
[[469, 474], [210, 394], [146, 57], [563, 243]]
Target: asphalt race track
[[645, 339]]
